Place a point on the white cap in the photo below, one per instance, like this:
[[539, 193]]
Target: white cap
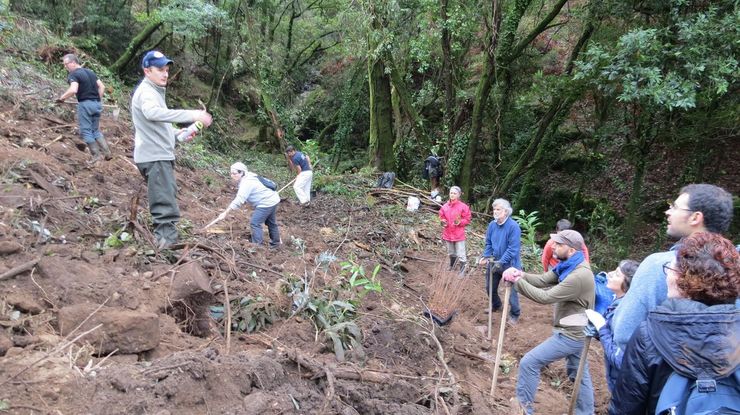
[[238, 167]]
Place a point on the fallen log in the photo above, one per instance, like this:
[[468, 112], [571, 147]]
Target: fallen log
[[19, 269]]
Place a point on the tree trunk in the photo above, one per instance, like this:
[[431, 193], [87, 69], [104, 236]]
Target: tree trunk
[[500, 57], [133, 47], [381, 118], [404, 98], [449, 89], [559, 106], [481, 99]]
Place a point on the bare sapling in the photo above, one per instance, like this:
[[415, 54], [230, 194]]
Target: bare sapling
[[447, 291]]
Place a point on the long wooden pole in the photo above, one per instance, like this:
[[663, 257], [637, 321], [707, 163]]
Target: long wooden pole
[[579, 375], [489, 276], [499, 346]]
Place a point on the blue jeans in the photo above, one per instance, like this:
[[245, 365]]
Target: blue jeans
[[88, 116], [555, 347], [265, 215], [514, 311]]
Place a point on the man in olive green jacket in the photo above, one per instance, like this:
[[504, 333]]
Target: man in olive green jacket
[[570, 287]]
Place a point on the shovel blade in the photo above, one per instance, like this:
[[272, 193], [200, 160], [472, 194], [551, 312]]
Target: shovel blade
[[576, 320]]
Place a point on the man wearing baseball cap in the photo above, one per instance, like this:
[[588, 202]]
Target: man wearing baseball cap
[[570, 287], [154, 144]]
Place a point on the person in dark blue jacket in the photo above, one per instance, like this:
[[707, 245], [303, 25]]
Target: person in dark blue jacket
[[618, 281], [694, 332]]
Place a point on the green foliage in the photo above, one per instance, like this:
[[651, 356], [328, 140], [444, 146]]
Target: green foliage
[[357, 278], [115, 240], [333, 310], [456, 158], [195, 155], [344, 336], [530, 252], [330, 314], [249, 314], [529, 222], [191, 18], [672, 66]]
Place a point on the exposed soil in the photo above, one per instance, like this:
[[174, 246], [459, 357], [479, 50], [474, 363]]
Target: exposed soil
[[57, 210]]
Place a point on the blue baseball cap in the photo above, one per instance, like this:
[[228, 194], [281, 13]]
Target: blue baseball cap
[[155, 58]]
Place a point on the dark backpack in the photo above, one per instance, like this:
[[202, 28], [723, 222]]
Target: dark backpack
[[432, 168], [386, 180], [684, 396], [267, 182]]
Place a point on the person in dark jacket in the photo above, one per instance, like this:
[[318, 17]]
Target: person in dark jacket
[[618, 281], [694, 332]]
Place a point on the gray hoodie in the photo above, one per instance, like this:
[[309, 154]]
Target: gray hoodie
[[155, 137]]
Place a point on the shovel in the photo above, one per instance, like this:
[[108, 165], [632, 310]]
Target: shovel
[[499, 346], [577, 320]]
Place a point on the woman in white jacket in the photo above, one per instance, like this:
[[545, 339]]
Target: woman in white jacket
[[265, 202]]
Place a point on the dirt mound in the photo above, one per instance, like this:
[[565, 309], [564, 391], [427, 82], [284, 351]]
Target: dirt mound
[[62, 245]]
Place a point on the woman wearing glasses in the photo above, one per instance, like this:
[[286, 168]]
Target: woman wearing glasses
[[618, 281], [694, 333]]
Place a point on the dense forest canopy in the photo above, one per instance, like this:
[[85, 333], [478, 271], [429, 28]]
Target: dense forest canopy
[[594, 110]]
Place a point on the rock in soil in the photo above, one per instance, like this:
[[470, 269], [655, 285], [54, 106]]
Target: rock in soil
[[126, 330], [9, 247]]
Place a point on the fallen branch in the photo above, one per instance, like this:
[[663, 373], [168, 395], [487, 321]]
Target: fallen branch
[[19, 269], [54, 140], [420, 259], [227, 310], [51, 189], [329, 391]]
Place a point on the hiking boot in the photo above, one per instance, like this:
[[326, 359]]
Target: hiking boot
[[462, 267], [104, 146], [94, 151], [512, 320], [453, 260]]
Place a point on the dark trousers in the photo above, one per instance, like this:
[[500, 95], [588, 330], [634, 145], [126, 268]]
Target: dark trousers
[[162, 192], [265, 215], [496, 300]]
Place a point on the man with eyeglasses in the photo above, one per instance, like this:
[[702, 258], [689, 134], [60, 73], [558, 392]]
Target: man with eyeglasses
[[89, 90], [698, 208], [154, 144]]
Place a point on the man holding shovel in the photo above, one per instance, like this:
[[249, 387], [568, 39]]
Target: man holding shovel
[[89, 92], [570, 287]]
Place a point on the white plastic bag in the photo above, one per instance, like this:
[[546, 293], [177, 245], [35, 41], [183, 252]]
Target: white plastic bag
[[413, 204]]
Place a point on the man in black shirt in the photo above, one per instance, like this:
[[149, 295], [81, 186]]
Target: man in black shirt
[[89, 91]]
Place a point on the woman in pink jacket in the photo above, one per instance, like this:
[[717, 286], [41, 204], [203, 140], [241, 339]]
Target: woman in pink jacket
[[454, 216]]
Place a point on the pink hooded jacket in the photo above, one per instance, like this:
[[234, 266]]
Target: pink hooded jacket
[[454, 211]]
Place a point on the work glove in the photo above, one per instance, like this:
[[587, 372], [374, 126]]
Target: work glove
[[596, 319], [497, 267]]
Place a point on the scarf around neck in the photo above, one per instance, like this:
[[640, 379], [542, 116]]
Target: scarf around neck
[[566, 267]]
